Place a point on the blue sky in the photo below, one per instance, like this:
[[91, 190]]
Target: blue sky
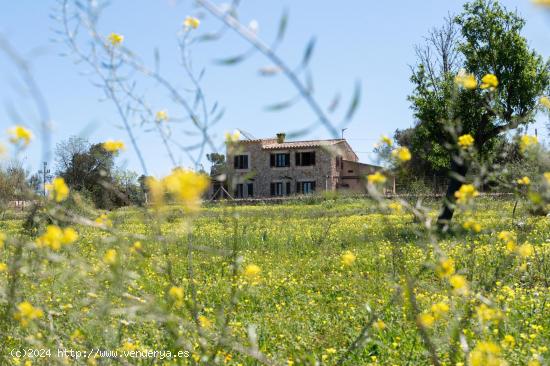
[[370, 41]]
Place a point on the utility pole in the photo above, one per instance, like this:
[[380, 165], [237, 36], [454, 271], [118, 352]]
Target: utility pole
[[45, 171]]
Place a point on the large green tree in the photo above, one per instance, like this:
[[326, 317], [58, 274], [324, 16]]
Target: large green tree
[[90, 170], [489, 42]]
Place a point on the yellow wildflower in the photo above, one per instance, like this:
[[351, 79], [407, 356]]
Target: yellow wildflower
[[402, 154], [458, 281], [465, 141], [547, 177], [506, 236], [527, 141], [535, 362], [459, 284], [348, 258], [252, 271], [445, 268], [486, 354], [509, 238], [439, 309], [386, 140], [545, 101], [113, 145], [376, 178], [155, 190], [525, 181], [395, 206], [103, 219], [472, 225], [110, 257], [115, 39], [466, 193], [20, 134], [55, 237], [77, 336], [136, 247], [379, 325], [129, 346], [525, 250], [69, 235], [426, 320], [58, 189], [161, 116], [26, 313], [234, 137], [186, 186], [466, 80], [191, 22], [487, 314], [2, 239], [508, 341], [176, 293], [204, 322], [489, 81], [3, 267]]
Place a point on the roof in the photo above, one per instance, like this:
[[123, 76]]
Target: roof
[[272, 145], [363, 164]]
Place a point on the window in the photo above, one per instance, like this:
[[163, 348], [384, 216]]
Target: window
[[250, 189], [280, 160], [305, 158], [239, 191], [339, 162], [280, 188], [241, 161], [277, 189], [305, 187]]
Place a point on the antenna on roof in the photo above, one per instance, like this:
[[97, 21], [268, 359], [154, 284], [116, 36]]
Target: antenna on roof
[[248, 135]]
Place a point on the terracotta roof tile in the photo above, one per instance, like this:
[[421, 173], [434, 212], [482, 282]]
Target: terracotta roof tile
[[270, 145]]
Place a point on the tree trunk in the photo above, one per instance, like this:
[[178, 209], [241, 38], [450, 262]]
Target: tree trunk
[[458, 169]]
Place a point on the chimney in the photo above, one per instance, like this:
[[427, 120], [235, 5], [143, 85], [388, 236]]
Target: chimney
[[281, 137]]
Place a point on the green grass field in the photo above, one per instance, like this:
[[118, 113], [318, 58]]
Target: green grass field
[[305, 306]]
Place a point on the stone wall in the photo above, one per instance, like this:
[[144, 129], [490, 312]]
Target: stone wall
[[261, 174], [326, 173]]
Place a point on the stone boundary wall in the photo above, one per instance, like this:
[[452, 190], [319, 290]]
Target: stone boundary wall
[[319, 198]]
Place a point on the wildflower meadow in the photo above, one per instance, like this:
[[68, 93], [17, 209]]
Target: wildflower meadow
[[100, 265]]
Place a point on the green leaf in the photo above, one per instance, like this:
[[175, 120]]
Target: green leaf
[[235, 59], [157, 60], [355, 101], [231, 60], [309, 51], [282, 105], [334, 103], [309, 83], [283, 24], [208, 37]]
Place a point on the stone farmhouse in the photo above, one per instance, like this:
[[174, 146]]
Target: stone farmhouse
[[274, 167]]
